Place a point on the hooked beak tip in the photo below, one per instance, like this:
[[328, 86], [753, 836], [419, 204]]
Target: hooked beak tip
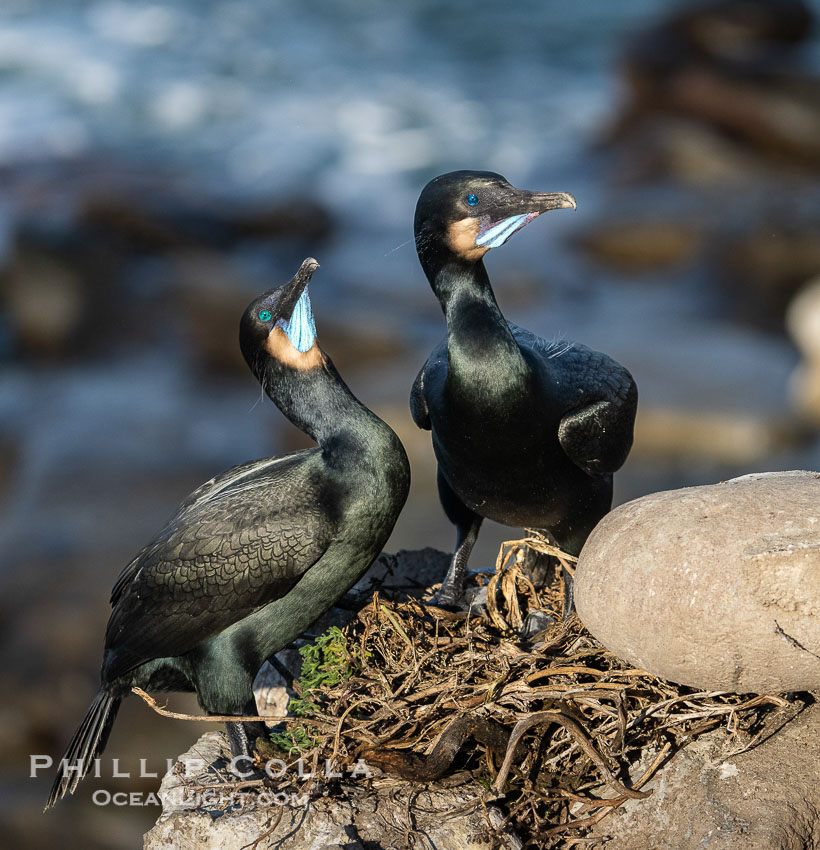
[[541, 202], [307, 268], [568, 201]]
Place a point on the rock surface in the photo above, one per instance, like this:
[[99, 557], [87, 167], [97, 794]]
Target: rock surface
[[803, 323], [638, 246], [713, 63], [383, 813], [714, 586], [767, 798], [803, 320]]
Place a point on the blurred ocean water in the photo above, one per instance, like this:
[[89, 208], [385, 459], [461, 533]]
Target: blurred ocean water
[[262, 96], [354, 104]]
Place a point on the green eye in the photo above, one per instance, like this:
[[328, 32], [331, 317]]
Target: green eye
[[264, 315]]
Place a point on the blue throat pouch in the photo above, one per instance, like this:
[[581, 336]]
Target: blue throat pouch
[[500, 232], [300, 328]]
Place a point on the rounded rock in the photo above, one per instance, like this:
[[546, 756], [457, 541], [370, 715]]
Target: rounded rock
[[803, 319], [803, 323], [716, 587]]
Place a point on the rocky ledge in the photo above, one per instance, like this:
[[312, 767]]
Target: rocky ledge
[[759, 795], [204, 810]]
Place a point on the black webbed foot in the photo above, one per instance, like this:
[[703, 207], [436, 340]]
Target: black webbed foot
[[449, 598]]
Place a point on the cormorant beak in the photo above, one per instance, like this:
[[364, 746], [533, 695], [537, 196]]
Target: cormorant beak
[[288, 308], [291, 292], [516, 212], [285, 316], [294, 310]]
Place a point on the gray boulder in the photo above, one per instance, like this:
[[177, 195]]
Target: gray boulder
[[716, 587]]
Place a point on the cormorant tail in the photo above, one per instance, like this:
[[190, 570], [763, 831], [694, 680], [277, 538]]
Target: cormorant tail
[[88, 742]]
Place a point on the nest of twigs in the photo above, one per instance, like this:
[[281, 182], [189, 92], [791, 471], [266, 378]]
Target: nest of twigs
[[558, 730]]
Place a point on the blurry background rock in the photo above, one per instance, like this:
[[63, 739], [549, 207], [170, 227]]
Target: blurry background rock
[[803, 320], [163, 162], [733, 74]]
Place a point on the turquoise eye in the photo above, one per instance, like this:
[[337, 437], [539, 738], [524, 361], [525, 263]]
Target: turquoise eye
[[264, 315], [472, 200]]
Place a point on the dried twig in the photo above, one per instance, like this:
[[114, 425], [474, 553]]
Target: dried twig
[[204, 718]]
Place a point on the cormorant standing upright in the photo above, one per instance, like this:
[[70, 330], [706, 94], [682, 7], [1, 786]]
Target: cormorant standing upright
[[526, 432], [258, 553]]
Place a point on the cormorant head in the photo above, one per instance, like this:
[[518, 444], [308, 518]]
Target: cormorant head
[[280, 324], [469, 212]]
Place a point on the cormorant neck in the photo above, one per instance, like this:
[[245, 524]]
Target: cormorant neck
[[317, 401], [476, 328]]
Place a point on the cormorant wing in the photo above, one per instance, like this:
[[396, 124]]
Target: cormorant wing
[[203, 493], [238, 542], [418, 400], [600, 398]]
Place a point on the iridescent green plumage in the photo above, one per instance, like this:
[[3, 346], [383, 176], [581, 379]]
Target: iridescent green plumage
[[254, 556]]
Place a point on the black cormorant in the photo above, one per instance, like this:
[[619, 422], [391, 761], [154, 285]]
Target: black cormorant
[[526, 432], [256, 554]]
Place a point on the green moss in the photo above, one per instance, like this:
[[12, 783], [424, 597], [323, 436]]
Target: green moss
[[291, 739], [330, 660]]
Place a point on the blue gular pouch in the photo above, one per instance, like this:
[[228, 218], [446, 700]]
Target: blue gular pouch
[[300, 328], [499, 233]]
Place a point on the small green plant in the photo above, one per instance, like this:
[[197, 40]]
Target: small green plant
[[330, 660], [288, 741]]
